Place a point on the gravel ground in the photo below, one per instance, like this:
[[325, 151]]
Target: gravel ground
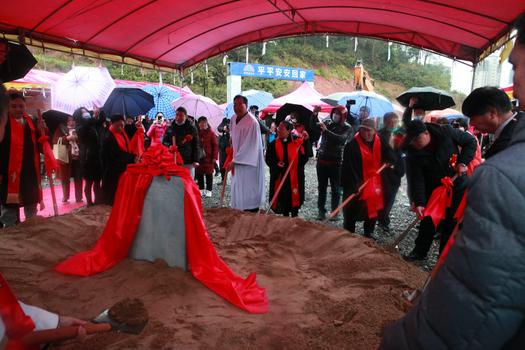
[[400, 216]]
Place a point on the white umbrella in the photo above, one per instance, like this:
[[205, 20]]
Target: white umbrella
[[198, 105], [87, 87]]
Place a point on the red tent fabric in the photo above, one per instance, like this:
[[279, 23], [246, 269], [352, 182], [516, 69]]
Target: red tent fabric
[[304, 95], [178, 34]]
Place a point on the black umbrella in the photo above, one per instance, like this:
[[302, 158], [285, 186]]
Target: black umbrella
[[128, 102], [429, 98], [304, 113], [15, 61], [331, 102], [53, 119]]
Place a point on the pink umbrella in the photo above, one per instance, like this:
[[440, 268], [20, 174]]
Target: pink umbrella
[[198, 105], [87, 87]]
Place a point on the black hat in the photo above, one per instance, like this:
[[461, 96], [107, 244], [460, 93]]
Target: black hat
[[117, 117], [414, 129]]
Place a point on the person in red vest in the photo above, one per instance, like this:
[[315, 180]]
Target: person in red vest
[[19, 162], [279, 155], [362, 158]]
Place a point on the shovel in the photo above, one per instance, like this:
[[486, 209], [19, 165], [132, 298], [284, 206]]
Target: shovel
[[102, 323]]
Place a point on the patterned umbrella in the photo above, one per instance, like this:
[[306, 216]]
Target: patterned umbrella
[[197, 105], [378, 104], [162, 97], [87, 87]]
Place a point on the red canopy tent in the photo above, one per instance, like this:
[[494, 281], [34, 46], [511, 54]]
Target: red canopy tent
[[178, 34], [304, 95]]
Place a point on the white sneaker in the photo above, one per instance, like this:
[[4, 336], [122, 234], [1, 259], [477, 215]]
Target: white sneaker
[[203, 193], [208, 194]]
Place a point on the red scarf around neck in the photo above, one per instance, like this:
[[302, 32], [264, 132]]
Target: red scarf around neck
[[135, 146], [371, 162], [293, 152], [16, 154]]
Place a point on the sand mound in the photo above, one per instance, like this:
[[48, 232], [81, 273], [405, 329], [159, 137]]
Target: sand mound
[[326, 288]]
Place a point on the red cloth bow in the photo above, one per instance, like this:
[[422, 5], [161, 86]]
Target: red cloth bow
[[439, 201]]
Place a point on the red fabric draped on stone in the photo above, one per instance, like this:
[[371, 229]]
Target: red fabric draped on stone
[[293, 150], [371, 162], [119, 233], [16, 153], [17, 323], [439, 201]]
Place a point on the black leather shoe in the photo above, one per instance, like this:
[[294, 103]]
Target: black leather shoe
[[413, 256]]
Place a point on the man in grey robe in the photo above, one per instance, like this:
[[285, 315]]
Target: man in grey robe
[[247, 167]]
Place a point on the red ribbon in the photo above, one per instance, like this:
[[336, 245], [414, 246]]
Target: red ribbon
[[372, 193], [439, 201], [119, 234], [229, 158]]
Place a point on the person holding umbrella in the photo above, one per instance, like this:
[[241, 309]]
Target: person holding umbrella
[[413, 110], [280, 153], [91, 132], [362, 158], [335, 132], [19, 162]]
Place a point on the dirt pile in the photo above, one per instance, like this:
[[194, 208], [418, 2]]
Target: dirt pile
[[326, 288]]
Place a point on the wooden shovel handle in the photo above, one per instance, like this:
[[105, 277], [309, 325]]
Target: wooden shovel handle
[[62, 333]]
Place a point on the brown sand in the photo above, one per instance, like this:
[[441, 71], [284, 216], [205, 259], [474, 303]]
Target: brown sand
[[327, 289], [130, 311]]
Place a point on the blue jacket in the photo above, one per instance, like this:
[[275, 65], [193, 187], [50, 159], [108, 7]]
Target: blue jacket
[[477, 300]]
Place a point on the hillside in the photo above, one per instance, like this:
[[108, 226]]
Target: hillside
[[333, 67]]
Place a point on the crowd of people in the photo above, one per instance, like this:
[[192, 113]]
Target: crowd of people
[[476, 299]]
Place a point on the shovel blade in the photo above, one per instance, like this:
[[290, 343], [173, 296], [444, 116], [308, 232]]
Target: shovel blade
[[117, 326]]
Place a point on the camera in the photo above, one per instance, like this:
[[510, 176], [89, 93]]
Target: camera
[[350, 103]]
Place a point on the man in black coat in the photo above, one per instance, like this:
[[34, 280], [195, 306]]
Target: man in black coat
[[91, 133], [279, 155], [116, 155], [363, 157], [335, 132], [224, 142], [392, 137], [186, 139], [490, 111], [430, 148]]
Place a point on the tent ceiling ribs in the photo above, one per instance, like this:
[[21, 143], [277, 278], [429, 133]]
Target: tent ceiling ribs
[[177, 21]]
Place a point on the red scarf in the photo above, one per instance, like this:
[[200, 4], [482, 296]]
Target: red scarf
[[371, 162], [135, 146], [17, 323], [16, 153], [121, 227], [293, 149]]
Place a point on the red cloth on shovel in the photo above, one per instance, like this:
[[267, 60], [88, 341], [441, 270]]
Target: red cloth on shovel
[[119, 233], [439, 201]]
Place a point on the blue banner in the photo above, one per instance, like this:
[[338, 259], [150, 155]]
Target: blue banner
[[271, 72]]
